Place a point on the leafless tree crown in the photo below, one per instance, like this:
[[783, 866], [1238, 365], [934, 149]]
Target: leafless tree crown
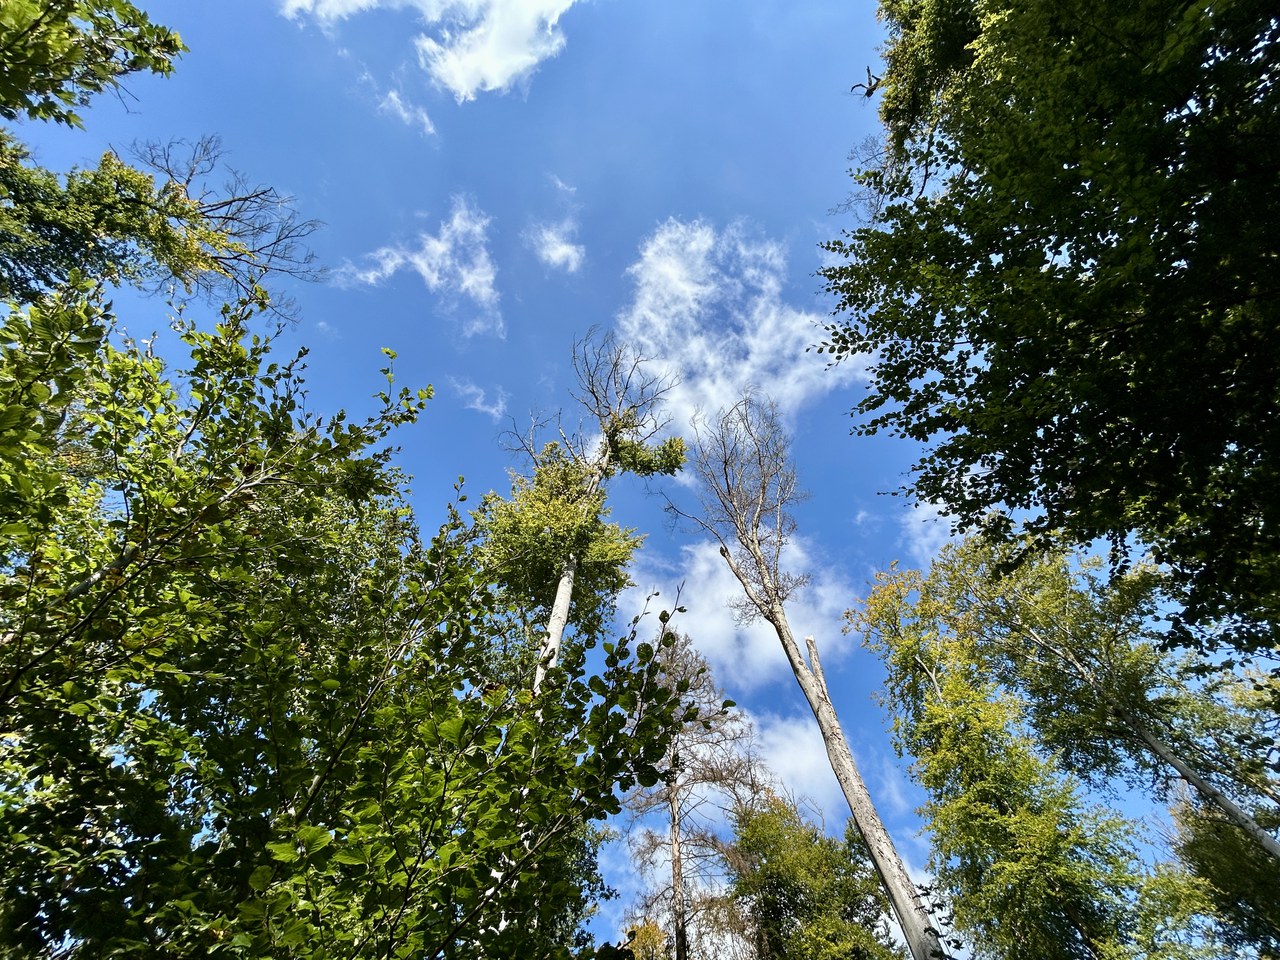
[[743, 459]]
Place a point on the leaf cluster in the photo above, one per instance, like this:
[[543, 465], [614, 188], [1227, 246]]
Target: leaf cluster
[[58, 53], [1068, 291], [804, 894]]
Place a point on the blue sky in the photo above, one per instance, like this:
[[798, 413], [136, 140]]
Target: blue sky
[[496, 177]]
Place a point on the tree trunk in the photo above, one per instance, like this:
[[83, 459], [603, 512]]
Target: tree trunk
[[1207, 790], [917, 928], [677, 880], [549, 655], [922, 939]]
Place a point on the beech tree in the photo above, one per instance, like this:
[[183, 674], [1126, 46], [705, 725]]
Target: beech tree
[[748, 487], [550, 543], [803, 895], [1066, 284], [1026, 865], [59, 53], [1085, 654]]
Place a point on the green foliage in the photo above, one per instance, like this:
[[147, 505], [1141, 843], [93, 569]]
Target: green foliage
[[1066, 287], [1244, 884], [1085, 655], [246, 709], [664, 458], [1009, 686], [57, 53], [805, 895], [556, 514], [112, 223]]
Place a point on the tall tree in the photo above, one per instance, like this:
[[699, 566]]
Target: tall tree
[[710, 770], [1027, 866], [246, 707], [552, 534], [1066, 286], [1086, 655], [749, 485], [804, 895]]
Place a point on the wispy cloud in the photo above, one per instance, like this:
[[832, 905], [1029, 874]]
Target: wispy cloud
[[746, 657], [553, 244], [471, 46], [409, 113], [454, 263], [561, 185], [476, 398], [708, 308]]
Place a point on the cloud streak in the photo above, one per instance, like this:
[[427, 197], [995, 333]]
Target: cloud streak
[[553, 244], [470, 46], [454, 263], [409, 113], [476, 398]]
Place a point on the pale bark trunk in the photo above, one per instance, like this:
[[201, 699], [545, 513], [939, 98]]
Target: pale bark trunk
[[1207, 790], [677, 881], [922, 938], [917, 929], [1164, 751], [549, 655]]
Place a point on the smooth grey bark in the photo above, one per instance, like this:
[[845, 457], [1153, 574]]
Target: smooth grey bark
[[549, 655], [678, 917], [1158, 746], [743, 461]]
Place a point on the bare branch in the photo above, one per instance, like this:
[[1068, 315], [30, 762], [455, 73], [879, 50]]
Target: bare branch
[[266, 233]]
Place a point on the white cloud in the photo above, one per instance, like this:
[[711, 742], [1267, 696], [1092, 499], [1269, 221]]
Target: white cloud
[[746, 657], [454, 262], [409, 113], [554, 246], [561, 185], [472, 46], [708, 308], [924, 530], [476, 398]]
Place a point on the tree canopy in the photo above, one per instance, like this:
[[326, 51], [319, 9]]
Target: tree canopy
[[1066, 284], [247, 708]]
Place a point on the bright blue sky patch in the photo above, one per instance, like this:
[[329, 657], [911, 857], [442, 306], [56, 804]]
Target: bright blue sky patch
[[496, 177]]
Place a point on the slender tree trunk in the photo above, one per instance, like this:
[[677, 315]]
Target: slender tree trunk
[[917, 926], [1164, 751], [922, 938], [1206, 789], [678, 919], [549, 655]]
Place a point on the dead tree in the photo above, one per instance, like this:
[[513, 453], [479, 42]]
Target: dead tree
[[749, 486]]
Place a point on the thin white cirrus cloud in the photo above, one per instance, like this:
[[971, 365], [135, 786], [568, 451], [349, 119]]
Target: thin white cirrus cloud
[[453, 263], [561, 185], [553, 244], [708, 310], [409, 113], [471, 46], [477, 398], [745, 657]]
